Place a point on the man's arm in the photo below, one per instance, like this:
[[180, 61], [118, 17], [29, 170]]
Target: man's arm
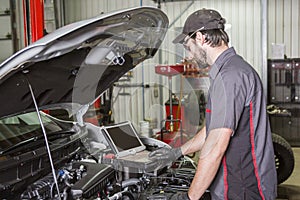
[[195, 144], [209, 161]]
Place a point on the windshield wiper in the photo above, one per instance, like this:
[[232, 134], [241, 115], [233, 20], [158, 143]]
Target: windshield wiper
[[51, 136], [19, 144], [58, 134]]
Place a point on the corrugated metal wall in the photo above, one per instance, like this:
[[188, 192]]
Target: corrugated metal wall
[[284, 25], [242, 15], [244, 29]]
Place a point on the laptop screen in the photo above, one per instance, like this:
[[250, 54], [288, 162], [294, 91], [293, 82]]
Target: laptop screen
[[123, 139]]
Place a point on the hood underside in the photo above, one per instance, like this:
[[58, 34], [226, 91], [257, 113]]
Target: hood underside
[[78, 62]]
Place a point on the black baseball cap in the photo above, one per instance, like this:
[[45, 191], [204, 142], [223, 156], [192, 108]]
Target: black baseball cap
[[204, 19]]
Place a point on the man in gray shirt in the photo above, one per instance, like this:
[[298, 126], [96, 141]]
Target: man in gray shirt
[[236, 151]]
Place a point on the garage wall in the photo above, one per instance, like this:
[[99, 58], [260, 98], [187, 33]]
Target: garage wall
[[284, 26], [244, 29]]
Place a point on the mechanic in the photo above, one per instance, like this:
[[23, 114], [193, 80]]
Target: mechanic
[[236, 159]]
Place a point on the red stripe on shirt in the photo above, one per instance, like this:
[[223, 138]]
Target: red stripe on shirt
[[208, 110], [225, 174], [253, 152]]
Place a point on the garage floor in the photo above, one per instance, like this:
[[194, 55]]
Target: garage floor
[[290, 189]]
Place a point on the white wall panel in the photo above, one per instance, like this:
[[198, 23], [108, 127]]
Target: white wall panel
[[279, 9], [284, 25], [295, 27], [287, 25]]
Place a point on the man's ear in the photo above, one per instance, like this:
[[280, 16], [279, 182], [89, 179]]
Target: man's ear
[[200, 37]]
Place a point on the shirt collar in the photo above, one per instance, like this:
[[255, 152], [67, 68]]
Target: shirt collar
[[216, 67]]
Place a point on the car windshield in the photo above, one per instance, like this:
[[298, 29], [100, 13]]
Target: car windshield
[[16, 129]]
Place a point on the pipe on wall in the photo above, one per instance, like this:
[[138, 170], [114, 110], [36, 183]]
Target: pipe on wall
[[264, 45]]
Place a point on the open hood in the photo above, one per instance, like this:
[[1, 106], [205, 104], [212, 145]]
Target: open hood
[[78, 62]]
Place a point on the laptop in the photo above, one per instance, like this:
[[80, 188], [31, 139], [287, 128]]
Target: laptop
[[125, 143]]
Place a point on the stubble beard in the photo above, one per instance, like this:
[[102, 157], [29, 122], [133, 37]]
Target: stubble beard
[[201, 58]]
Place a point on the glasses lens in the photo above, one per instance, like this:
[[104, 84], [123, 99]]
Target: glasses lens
[[186, 40]]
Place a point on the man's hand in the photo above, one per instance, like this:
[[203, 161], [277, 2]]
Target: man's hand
[[180, 196], [166, 154]]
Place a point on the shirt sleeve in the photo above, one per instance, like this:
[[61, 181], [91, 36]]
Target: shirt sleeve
[[228, 97]]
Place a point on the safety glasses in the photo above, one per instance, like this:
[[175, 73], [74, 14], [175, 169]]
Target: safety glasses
[[188, 37]]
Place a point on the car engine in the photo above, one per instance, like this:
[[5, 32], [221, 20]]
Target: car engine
[[89, 174], [90, 180]]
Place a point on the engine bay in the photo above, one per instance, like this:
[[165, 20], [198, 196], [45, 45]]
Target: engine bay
[[91, 172]]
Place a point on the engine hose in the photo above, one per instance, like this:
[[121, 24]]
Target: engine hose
[[132, 181], [122, 194], [67, 183]]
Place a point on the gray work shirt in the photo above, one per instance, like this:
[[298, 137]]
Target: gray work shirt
[[236, 101]]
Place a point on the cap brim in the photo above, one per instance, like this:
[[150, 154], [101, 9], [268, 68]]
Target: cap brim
[[179, 38]]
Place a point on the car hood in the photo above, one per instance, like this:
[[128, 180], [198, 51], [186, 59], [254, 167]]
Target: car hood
[[78, 62]]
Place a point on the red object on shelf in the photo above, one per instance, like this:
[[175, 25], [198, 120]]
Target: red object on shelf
[[177, 114], [169, 70]]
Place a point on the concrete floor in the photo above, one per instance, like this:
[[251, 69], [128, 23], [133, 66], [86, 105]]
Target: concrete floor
[[290, 189]]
